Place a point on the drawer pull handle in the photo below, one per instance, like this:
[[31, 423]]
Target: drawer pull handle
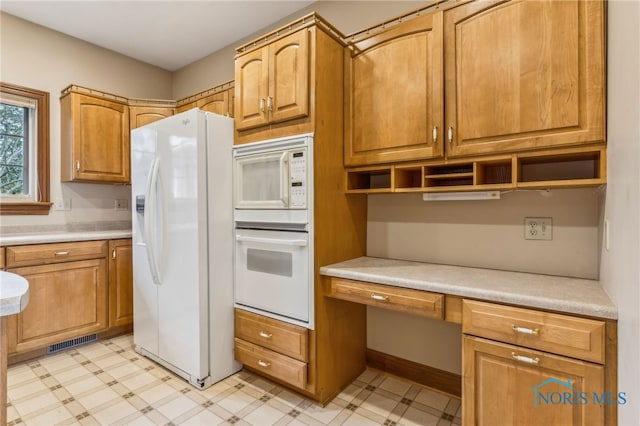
[[525, 330], [379, 297], [265, 335], [61, 253], [264, 364], [525, 359]]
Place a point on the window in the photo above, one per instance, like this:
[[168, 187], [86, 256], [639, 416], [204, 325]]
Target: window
[[24, 150]]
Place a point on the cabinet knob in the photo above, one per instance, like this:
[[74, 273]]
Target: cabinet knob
[[77, 165], [450, 134], [113, 254], [269, 103], [61, 253], [435, 135], [264, 364], [261, 104]]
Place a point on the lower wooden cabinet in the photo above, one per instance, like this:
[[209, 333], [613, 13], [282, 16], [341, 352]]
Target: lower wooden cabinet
[[511, 385], [523, 366], [66, 300], [75, 289], [120, 283], [271, 347]]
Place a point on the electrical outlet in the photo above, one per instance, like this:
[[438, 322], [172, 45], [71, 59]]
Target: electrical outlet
[[538, 228], [62, 204], [122, 204]]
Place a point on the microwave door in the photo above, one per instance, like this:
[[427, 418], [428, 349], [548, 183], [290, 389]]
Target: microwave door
[[262, 181]]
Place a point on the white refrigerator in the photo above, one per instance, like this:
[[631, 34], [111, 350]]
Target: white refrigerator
[[183, 245]]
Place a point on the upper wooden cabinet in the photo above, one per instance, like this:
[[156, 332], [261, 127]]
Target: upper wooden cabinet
[[94, 137], [272, 82], [394, 97], [509, 76], [218, 100], [143, 112], [524, 75]]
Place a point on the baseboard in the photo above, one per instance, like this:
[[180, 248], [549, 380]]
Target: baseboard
[[441, 380]]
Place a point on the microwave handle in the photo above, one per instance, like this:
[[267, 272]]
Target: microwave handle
[[285, 179], [298, 243]]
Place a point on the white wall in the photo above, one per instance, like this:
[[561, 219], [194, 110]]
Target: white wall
[[36, 57], [621, 261]]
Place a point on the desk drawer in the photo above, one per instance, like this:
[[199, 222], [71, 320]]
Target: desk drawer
[[560, 334], [288, 339], [43, 254], [271, 363], [414, 302]]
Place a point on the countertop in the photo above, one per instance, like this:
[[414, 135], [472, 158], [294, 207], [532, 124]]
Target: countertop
[[59, 237], [563, 294], [14, 293]]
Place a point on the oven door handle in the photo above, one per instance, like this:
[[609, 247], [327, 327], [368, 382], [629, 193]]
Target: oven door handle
[[245, 239]]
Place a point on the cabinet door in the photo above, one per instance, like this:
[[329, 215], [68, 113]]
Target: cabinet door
[[66, 300], [100, 140], [395, 94], [288, 96], [523, 75], [217, 103], [120, 283], [252, 86], [510, 385], [186, 107], [139, 116]]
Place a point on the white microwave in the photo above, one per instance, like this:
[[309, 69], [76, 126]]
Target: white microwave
[[273, 174]]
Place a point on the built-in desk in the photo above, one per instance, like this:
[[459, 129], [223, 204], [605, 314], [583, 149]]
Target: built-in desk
[[519, 330]]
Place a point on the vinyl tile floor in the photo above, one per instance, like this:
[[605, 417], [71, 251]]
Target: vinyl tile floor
[[108, 383]]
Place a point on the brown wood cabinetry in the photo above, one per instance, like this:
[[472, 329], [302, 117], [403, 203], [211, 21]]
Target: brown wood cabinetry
[[271, 347], [67, 297], [479, 79], [120, 283], [218, 100], [94, 136], [273, 82], [500, 386], [532, 358], [524, 75], [414, 302], [143, 112], [395, 94]]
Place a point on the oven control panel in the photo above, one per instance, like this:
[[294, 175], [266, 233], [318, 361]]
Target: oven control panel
[[298, 176]]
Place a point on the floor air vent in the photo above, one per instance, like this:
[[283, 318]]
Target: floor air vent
[[71, 343]]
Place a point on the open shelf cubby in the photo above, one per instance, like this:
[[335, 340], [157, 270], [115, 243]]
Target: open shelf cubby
[[369, 180], [566, 168]]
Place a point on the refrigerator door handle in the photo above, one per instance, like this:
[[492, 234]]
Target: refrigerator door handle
[[150, 220]]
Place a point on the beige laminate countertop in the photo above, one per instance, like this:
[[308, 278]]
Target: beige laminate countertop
[[14, 293], [61, 237], [563, 294]]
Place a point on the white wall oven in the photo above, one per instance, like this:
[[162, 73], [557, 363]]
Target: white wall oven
[[273, 212]]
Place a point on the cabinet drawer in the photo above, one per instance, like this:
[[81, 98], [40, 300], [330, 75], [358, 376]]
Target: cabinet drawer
[[288, 339], [41, 254], [561, 334], [414, 302], [271, 363]]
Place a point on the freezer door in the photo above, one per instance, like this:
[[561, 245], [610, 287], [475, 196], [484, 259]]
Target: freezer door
[[145, 292]]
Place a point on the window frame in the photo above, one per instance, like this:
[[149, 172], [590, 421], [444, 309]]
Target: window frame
[[42, 205]]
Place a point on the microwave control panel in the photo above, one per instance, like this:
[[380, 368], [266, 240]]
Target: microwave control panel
[[298, 176]]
